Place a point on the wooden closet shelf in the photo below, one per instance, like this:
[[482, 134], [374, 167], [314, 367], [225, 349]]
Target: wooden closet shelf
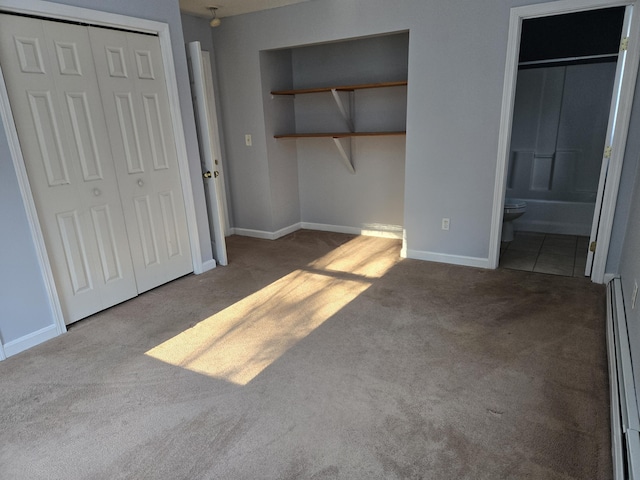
[[341, 88], [338, 134]]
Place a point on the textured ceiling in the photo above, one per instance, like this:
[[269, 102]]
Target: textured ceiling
[[227, 8]]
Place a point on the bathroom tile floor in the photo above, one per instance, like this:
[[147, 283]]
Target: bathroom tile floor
[[564, 255]]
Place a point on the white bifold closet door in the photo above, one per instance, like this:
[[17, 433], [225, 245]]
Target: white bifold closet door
[[99, 156], [136, 105]]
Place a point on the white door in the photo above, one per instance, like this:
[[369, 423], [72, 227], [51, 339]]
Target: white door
[[612, 132], [209, 141], [134, 96], [56, 105]]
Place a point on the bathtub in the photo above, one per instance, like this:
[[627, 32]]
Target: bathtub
[[550, 216]]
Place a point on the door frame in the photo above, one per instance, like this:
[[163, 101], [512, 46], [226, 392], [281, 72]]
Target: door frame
[[518, 14], [56, 11]]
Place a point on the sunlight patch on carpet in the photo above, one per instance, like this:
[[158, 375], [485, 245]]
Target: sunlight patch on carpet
[[239, 342]]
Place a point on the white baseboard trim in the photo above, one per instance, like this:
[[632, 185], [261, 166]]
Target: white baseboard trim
[[382, 231], [2, 355], [287, 230], [30, 340], [208, 265], [446, 258], [247, 232]]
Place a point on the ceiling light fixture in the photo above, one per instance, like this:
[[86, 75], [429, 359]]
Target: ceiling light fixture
[[215, 21]]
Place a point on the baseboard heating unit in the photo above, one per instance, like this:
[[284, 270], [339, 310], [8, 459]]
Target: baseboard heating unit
[[625, 422]]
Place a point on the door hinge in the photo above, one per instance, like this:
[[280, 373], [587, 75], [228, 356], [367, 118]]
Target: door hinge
[[624, 44], [607, 152], [592, 247]]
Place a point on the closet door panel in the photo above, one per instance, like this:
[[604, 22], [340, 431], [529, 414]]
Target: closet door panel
[[50, 76], [134, 95]]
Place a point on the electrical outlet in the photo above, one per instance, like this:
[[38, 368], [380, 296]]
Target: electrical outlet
[[247, 140], [445, 224], [635, 294]]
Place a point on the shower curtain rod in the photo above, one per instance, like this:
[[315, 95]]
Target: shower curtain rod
[[568, 59]]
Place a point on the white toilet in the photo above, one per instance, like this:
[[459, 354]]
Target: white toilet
[[513, 208]]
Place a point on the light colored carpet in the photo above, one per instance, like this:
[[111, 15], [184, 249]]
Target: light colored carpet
[[320, 356]]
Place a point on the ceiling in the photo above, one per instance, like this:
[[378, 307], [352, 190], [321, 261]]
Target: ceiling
[[227, 8]]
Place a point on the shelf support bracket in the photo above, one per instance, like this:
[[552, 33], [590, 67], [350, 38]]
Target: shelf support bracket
[[345, 151], [346, 113]]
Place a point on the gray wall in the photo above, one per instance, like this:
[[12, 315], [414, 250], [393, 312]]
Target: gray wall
[[456, 71], [624, 251], [628, 257], [328, 193], [630, 274], [197, 29], [24, 307], [456, 74], [624, 217], [276, 71]]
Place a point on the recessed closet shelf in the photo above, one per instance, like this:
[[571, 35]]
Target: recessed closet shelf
[[341, 88], [339, 134]]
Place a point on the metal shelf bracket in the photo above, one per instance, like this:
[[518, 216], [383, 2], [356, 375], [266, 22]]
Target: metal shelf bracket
[[345, 110], [344, 146]]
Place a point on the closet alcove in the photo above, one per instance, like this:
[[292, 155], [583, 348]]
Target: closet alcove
[[335, 120]]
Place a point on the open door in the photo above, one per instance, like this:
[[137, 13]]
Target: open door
[[209, 142], [612, 132]]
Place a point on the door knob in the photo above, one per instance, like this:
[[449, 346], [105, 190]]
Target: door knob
[[207, 174], [216, 174]]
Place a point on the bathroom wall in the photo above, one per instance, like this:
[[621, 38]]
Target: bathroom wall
[[559, 127]]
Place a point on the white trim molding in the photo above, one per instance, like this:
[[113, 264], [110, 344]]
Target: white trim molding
[[518, 14], [57, 11], [30, 340], [381, 231], [2, 354], [374, 230], [609, 276], [248, 232], [208, 265], [446, 258]]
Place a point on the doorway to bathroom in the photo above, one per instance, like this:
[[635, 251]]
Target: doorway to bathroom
[[568, 70]]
